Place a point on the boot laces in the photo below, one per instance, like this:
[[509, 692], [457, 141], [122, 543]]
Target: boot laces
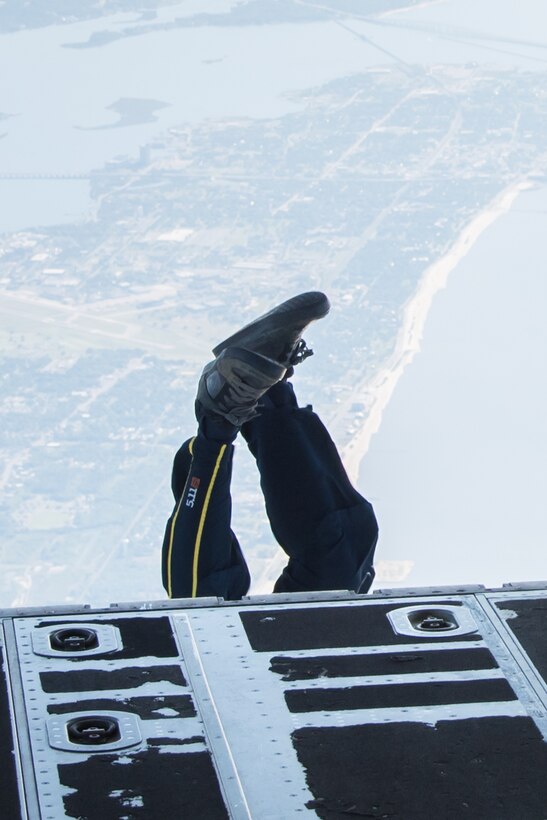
[[299, 353]]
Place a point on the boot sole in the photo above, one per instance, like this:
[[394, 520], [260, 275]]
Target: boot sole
[[301, 309]]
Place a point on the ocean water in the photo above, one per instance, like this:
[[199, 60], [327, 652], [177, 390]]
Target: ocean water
[[59, 99], [457, 470]]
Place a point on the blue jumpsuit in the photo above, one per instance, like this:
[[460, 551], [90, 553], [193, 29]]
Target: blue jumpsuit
[[326, 528]]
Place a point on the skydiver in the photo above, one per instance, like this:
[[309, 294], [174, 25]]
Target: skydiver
[[326, 528]]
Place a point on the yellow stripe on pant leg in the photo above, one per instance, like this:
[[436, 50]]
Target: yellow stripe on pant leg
[[173, 522], [202, 522]]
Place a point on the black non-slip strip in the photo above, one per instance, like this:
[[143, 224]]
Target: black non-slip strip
[[197, 740], [384, 663], [430, 693], [331, 627], [141, 637], [9, 800], [479, 768], [91, 680], [147, 708], [153, 785], [530, 628]]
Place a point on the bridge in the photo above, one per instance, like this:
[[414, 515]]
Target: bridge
[[34, 175]]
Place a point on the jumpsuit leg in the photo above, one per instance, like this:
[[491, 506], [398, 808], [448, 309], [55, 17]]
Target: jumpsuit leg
[[201, 555], [328, 530]]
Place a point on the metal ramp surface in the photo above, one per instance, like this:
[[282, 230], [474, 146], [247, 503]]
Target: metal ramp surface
[[407, 704]]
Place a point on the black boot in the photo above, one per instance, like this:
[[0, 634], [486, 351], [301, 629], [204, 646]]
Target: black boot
[[278, 333], [231, 385]]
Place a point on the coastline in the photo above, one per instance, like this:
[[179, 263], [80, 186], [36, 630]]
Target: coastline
[[377, 393]]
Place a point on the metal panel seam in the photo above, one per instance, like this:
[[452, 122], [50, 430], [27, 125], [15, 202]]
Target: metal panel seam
[[529, 682], [28, 792], [236, 802]]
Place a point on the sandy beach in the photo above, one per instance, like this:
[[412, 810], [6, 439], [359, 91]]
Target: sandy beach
[[376, 394]]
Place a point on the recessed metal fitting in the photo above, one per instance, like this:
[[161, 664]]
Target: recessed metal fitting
[[78, 639], [75, 640], [432, 621], [93, 731]]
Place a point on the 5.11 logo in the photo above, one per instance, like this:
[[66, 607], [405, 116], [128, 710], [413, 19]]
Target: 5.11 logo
[[192, 491]]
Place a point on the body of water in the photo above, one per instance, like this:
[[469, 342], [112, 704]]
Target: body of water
[[60, 101], [457, 470]]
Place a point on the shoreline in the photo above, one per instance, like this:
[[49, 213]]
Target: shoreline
[[377, 393]]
